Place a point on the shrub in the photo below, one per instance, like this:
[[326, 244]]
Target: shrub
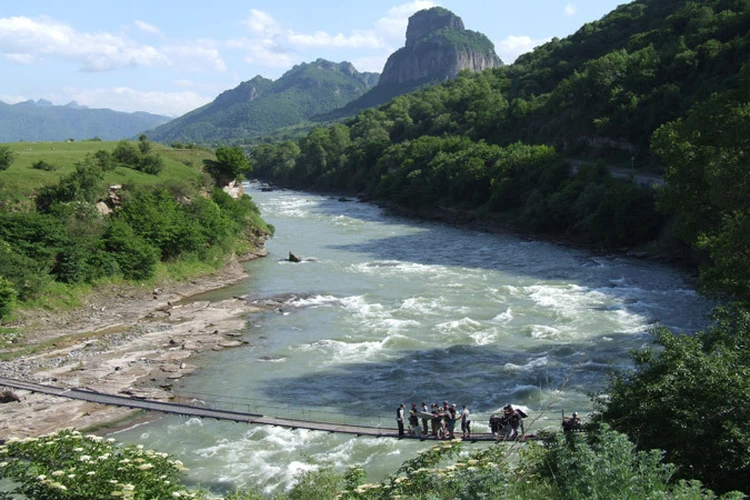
[[43, 165], [6, 157], [68, 465], [691, 398], [8, 296], [135, 257], [126, 154], [85, 184], [105, 160], [161, 221], [150, 164], [27, 276]]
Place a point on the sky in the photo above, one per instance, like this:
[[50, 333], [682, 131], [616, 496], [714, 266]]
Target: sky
[[169, 57]]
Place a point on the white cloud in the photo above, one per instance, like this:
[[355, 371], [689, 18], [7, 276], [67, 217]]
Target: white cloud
[[570, 9], [197, 55], [272, 45], [392, 27], [148, 28], [265, 52], [26, 41], [357, 40], [262, 24], [23, 39], [12, 99], [374, 63], [130, 100], [513, 46]]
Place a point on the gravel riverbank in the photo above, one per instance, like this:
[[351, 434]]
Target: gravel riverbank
[[136, 342]]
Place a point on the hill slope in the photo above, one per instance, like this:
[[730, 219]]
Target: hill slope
[[42, 121], [259, 106]]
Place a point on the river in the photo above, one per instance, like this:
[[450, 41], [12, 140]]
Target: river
[[384, 310]]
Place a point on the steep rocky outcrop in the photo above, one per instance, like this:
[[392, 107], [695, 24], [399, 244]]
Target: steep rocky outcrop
[[437, 48]]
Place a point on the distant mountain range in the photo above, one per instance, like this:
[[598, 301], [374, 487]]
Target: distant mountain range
[[259, 106], [43, 121]]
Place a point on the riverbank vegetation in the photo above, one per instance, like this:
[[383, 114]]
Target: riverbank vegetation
[[132, 211], [599, 464]]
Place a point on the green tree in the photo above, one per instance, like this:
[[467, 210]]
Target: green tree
[[126, 154], [150, 164], [601, 464], [144, 144], [691, 398], [7, 156], [708, 158], [85, 184], [231, 161]]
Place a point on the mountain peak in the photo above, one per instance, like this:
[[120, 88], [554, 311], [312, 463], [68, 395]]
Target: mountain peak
[[427, 21], [438, 47]]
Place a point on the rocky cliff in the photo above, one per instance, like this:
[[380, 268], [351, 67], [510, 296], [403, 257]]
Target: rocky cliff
[[437, 48]]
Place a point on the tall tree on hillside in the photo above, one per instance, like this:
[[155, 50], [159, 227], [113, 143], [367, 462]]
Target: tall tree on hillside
[[230, 163], [708, 158]]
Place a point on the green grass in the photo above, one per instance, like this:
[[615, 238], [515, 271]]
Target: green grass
[[21, 181]]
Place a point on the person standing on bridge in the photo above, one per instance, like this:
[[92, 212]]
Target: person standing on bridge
[[465, 423], [400, 419]]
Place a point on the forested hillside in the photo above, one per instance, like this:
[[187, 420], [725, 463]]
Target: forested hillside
[[493, 144], [259, 106]]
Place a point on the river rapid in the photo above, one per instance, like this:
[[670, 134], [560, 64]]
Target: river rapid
[[384, 310]]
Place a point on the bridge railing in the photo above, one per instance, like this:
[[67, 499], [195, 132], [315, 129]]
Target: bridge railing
[[549, 418]]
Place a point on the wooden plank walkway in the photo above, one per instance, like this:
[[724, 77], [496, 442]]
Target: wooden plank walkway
[[216, 414]]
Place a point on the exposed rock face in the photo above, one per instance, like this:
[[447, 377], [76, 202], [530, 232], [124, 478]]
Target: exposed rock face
[[437, 48], [429, 20]]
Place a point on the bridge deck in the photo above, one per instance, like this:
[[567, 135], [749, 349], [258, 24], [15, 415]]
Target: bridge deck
[[216, 414]]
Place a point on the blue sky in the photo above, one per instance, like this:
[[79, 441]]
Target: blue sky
[[171, 57]]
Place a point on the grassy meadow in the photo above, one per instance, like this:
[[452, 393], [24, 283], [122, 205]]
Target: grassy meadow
[[21, 181]]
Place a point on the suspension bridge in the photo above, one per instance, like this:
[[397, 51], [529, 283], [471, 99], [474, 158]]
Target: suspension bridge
[[191, 410]]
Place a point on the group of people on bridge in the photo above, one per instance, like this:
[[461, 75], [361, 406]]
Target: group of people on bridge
[[439, 421]]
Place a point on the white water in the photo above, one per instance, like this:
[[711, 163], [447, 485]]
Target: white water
[[388, 310]]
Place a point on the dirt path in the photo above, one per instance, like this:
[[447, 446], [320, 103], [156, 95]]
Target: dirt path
[[133, 341]]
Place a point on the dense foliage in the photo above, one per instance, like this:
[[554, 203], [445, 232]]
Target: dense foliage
[[691, 398], [463, 147], [708, 160], [530, 187], [230, 164], [66, 239], [602, 465], [69, 465], [6, 157]]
